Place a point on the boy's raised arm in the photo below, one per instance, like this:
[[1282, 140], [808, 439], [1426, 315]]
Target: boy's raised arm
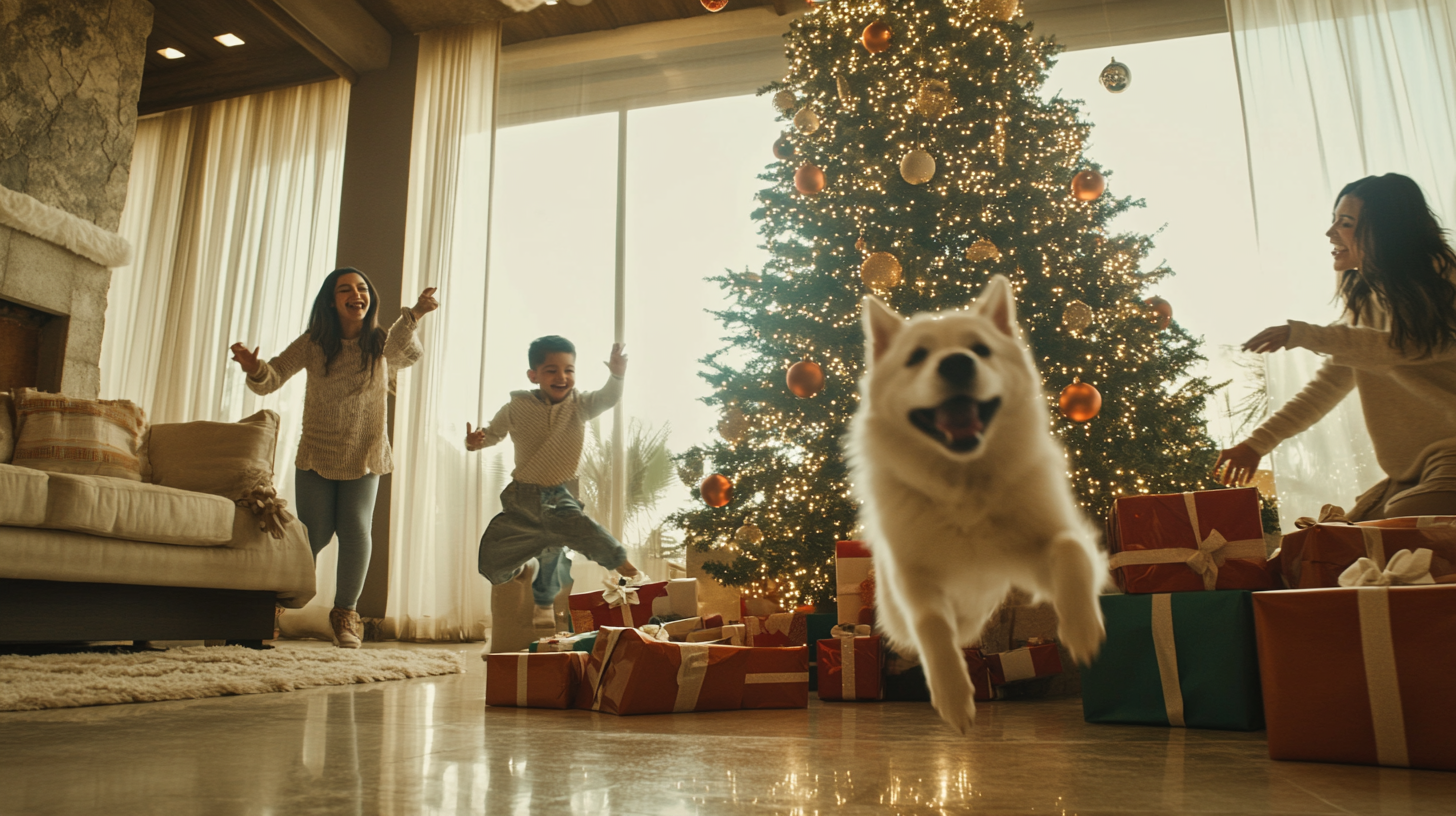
[[490, 434], [593, 403]]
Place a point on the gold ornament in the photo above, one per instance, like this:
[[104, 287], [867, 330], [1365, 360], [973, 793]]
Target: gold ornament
[[933, 98], [1000, 9], [716, 490], [785, 101], [783, 149], [880, 270], [877, 37], [1115, 77], [1080, 402], [917, 167], [733, 426], [807, 121], [1088, 185], [1163, 309], [859, 243], [805, 379], [983, 250], [748, 535], [809, 179], [842, 85], [1077, 316]]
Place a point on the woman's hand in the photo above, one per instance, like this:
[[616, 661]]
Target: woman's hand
[[618, 363], [474, 440], [1236, 465], [248, 360], [425, 304], [1270, 339]]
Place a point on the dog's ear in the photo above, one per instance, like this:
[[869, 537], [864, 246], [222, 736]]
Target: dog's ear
[[881, 324], [998, 302]]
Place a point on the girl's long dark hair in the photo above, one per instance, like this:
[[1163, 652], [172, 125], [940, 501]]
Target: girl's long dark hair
[[1406, 265], [325, 329]]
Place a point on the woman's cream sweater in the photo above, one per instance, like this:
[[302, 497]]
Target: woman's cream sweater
[[344, 430]]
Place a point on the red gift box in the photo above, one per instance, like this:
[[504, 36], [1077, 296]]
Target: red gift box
[[852, 565], [1187, 542], [980, 668], [1036, 660], [777, 630], [1360, 675], [849, 668], [593, 610], [1315, 556], [534, 680], [630, 673]]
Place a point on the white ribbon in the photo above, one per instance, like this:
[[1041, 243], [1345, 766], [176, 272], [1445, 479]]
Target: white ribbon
[[846, 661], [1374, 545], [776, 677], [1205, 560], [1381, 680], [1017, 665], [1405, 569], [690, 675], [1167, 654], [851, 630], [622, 595], [655, 632], [521, 665]]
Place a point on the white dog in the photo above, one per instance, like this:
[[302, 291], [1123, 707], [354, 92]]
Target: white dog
[[963, 490]]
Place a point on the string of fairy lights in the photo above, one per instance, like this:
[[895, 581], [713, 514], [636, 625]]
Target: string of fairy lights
[[917, 160]]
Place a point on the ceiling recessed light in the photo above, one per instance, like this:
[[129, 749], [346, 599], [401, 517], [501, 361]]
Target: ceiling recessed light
[[171, 53], [229, 40]]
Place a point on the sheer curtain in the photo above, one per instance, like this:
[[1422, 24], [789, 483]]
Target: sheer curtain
[[443, 495], [233, 208], [1334, 90]]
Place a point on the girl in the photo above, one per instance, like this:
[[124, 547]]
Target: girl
[[1396, 346], [351, 365]]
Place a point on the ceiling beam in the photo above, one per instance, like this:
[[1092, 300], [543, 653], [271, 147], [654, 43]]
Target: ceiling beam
[[781, 6], [339, 33]]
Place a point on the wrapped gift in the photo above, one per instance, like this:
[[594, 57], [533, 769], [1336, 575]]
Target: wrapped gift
[[733, 634], [565, 642], [1027, 663], [778, 630], [631, 673], [850, 665], [852, 564], [1186, 542], [1360, 675], [528, 680], [1182, 659], [1316, 555], [593, 610], [905, 677]]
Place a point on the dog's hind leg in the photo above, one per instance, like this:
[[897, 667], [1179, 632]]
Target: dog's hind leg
[[1077, 574]]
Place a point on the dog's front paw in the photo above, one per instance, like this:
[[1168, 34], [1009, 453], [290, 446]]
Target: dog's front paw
[[1082, 636], [958, 711]]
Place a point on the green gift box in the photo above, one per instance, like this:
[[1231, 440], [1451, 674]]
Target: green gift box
[[1184, 658]]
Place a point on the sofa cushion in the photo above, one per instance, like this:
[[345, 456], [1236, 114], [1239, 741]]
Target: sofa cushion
[[22, 496], [61, 434], [222, 458], [136, 511], [7, 429]]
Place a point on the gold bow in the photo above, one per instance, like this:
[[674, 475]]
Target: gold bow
[[272, 512], [1329, 514]]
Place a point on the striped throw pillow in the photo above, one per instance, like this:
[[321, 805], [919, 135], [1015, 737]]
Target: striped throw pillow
[[63, 434]]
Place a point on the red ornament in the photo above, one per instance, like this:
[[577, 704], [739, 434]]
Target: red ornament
[[809, 179], [876, 37], [805, 609], [714, 5], [805, 379], [1088, 185], [1080, 402], [783, 149], [716, 490], [1164, 310]]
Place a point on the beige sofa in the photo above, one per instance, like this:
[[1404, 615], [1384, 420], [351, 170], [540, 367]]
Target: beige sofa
[[105, 558]]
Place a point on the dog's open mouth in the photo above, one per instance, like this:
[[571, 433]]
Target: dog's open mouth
[[958, 423]]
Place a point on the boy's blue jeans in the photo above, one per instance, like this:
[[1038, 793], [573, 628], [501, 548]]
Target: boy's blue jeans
[[541, 522]]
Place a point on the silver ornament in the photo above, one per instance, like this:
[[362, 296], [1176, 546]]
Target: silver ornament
[[1116, 76], [807, 121], [1077, 316], [917, 167]]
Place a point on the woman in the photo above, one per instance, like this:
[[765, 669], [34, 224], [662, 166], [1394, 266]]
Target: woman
[[1396, 346], [351, 365]]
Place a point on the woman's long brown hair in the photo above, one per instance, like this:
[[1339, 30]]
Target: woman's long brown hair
[[325, 329]]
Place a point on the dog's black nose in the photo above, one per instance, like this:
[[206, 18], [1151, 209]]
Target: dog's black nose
[[957, 369]]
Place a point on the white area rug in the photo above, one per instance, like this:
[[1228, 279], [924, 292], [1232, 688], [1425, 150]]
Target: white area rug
[[70, 680]]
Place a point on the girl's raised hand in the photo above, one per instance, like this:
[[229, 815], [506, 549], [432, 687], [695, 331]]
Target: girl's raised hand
[[248, 360], [425, 304], [1270, 339]]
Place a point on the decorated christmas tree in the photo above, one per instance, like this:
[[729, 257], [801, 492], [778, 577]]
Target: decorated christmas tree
[[919, 159]]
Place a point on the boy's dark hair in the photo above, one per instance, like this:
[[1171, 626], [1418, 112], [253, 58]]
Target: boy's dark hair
[[550, 344]]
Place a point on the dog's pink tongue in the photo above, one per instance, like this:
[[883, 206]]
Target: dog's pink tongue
[[958, 419]]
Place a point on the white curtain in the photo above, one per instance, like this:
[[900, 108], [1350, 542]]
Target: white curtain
[[1335, 90], [443, 496], [233, 208]]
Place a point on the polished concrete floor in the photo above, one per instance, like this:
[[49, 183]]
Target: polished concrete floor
[[430, 746]]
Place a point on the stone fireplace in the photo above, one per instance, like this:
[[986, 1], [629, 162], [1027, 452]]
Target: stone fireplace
[[32, 347]]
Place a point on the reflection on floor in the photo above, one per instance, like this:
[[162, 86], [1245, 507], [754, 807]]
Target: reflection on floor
[[430, 746]]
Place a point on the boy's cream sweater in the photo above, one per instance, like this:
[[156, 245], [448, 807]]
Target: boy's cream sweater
[[549, 437]]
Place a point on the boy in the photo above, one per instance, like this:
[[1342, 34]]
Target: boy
[[539, 516]]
